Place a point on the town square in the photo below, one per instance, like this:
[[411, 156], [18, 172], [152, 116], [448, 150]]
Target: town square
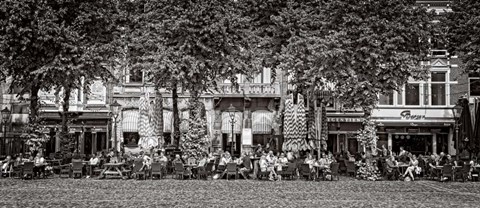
[[239, 103]]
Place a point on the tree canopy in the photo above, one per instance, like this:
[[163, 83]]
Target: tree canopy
[[463, 29], [361, 47]]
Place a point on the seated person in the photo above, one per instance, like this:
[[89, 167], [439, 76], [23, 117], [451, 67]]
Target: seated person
[[203, 161], [6, 165], [147, 161], [310, 161], [391, 167], [177, 159], [39, 164], [245, 164], [162, 158], [263, 163], [282, 161], [413, 167], [93, 162]]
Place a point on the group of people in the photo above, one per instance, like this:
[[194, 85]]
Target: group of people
[[9, 163]]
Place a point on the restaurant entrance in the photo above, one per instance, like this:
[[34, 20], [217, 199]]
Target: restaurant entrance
[[414, 143]]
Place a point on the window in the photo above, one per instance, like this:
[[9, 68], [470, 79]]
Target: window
[[135, 76], [400, 97], [438, 95], [412, 94], [386, 98], [474, 84]]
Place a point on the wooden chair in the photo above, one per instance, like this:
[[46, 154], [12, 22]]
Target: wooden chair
[[334, 170], [17, 171], [156, 170], [28, 170], [290, 171], [351, 170], [209, 168], [306, 172], [136, 170], [77, 168], [463, 172], [65, 170], [232, 170], [180, 171], [127, 169], [447, 172]]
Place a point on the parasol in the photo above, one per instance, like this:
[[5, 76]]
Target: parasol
[[145, 130]]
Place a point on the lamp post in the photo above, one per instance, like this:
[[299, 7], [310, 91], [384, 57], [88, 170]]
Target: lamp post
[[5, 117], [115, 109], [231, 112], [457, 112]]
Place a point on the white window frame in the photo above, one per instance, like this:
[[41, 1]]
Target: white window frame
[[447, 87]]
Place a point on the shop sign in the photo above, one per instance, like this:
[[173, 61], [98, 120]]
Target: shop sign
[[330, 119], [407, 115]]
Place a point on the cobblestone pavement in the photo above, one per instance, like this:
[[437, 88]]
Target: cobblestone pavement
[[347, 192]]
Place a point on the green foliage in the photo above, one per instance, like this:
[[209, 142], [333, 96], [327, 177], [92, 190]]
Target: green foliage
[[367, 136], [196, 141], [36, 135], [190, 44], [363, 47], [463, 27]]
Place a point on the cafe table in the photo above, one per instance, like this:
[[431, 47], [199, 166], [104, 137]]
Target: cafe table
[[113, 169]]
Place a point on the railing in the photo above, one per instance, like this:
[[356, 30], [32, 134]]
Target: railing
[[250, 89]]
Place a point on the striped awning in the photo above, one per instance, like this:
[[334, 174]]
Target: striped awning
[[167, 121], [130, 121], [262, 121], [227, 125]]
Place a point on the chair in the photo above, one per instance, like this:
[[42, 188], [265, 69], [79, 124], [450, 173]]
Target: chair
[[28, 170], [136, 170], [232, 170], [65, 170], [127, 168], [342, 167], [305, 171], [351, 168], [156, 170], [334, 170], [16, 172], [447, 172], [180, 171], [463, 172], [209, 168], [220, 169], [77, 168], [290, 172]]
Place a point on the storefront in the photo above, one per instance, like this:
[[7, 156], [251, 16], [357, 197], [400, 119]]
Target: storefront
[[420, 131], [342, 131]]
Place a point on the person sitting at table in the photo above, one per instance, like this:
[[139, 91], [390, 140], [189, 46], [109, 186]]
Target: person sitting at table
[[310, 161], [162, 158], [450, 160], [177, 159], [39, 164], [146, 161], [19, 160], [282, 161], [391, 167], [211, 157], [93, 162], [412, 167], [246, 165], [442, 159], [258, 150], [290, 156], [6, 165]]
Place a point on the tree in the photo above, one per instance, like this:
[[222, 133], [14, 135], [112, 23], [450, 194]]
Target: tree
[[59, 45], [195, 141], [463, 27], [364, 48], [190, 45]]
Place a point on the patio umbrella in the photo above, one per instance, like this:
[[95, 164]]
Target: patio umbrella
[[295, 122], [466, 129], [145, 130], [475, 140], [157, 119]]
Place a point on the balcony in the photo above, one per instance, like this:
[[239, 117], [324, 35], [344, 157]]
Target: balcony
[[249, 89]]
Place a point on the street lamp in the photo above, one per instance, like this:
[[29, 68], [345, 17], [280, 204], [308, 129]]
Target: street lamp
[[5, 117], [457, 112], [231, 112], [115, 109]]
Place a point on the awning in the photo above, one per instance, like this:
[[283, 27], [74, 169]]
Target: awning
[[167, 121], [227, 125], [262, 122], [130, 121]]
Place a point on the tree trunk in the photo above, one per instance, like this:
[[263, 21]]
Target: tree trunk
[[176, 118], [66, 143], [34, 104]]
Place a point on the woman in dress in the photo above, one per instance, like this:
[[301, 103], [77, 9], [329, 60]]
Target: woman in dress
[[413, 166]]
